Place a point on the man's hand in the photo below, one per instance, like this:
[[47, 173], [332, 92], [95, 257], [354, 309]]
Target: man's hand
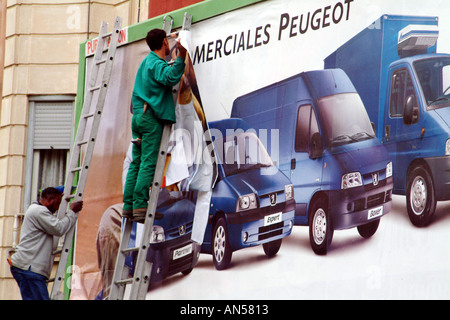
[[181, 50], [76, 206]]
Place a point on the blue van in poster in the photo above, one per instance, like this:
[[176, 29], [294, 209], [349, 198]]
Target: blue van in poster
[[171, 248], [342, 174], [252, 201]]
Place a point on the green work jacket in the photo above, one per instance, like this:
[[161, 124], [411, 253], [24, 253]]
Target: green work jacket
[[153, 84]]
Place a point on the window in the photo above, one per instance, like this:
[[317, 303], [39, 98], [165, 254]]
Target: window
[[344, 119], [434, 78], [446, 79], [306, 127], [49, 140], [243, 151], [314, 126], [401, 88]]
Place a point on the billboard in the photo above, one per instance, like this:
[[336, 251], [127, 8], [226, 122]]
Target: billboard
[[236, 50]]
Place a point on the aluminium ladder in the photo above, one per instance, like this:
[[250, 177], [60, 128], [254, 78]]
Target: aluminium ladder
[[143, 268], [140, 280], [77, 164]]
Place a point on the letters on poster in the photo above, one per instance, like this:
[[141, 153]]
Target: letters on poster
[[290, 25]]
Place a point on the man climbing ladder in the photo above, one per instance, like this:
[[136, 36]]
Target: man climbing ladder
[[153, 106], [163, 115]]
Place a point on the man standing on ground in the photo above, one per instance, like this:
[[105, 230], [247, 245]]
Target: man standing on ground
[[153, 106], [31, 264]]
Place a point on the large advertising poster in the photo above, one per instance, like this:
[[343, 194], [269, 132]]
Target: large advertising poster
[[319, 86]]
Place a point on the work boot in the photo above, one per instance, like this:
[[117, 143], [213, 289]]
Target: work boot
[[139, 215], [127, 214]]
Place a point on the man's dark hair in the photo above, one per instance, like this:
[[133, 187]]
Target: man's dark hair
[[50, 193], [155, 38]]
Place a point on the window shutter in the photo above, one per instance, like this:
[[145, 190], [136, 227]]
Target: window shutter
[[53, 125]]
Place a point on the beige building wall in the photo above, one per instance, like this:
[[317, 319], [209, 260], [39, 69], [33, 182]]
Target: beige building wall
[[39, 52]]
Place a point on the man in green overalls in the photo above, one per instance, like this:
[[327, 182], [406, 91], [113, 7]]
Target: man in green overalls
[[153, 106]]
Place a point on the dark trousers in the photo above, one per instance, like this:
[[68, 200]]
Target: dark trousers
[[32, 286]]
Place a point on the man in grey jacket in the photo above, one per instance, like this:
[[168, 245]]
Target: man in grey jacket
[[32, 263]]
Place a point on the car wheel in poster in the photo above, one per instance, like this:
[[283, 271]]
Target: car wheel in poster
[[272, 248], [221, 247], [320, 230], [367, 230], [420, 198]]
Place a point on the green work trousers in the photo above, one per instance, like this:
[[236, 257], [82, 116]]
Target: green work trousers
[[142, 168]]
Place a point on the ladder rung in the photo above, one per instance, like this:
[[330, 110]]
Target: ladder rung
[[124, 281], [82, 142], [101, 61], [70, 196], [94, 88], [130, 250], [173, 35], [106, 35], [88, 115], [57, 252], [76, 169]]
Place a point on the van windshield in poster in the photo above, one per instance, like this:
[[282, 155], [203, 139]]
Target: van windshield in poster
[[434, 78], [241, 152], [344, 119]]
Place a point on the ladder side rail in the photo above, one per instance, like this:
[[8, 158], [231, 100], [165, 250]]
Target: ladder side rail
[[117, 290], [143, 269], [76, 148], [120, 272], [75, 152], [99, 108], [74, 160], [97, 57], [56, 293], [167, 24]]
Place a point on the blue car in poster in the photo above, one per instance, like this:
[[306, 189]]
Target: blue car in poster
[[252, 201], [171, 248]]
